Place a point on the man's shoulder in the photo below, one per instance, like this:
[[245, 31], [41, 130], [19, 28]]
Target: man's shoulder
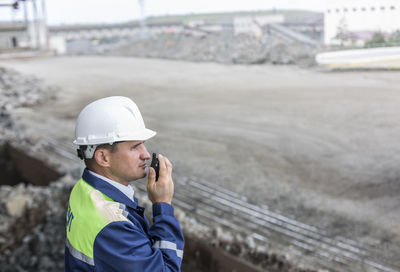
[[93, 203], [108, 209]]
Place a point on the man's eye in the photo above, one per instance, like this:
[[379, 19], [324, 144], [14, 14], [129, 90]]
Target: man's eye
[[136, 146]]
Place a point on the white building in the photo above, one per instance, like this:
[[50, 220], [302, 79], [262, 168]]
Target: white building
[[24, 27], [31, 34], [360, 16], [252, 25]]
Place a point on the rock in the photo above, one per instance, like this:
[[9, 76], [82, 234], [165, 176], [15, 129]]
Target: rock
[[17, 201], [34, 240], [249, 242]]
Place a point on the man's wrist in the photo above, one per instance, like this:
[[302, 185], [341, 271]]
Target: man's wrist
[[160, 201], [163, 208]]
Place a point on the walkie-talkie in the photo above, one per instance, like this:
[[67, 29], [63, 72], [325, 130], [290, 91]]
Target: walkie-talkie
[[155, 164]]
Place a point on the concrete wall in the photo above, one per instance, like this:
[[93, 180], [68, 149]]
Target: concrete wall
[[12, 35], [361, 15], [87, 32], [32, 35], [6, 39]]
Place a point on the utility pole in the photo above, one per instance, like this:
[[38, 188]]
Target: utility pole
[[26, 22], [142, 17], [44, 21], [36, 23]]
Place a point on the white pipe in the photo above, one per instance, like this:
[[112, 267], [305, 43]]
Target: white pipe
[[373, 57]]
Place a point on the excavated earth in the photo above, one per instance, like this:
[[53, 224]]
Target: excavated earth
[[223, 47], [318, 147]]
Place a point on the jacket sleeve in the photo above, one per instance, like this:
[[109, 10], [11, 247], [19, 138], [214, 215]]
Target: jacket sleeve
[[123, 247]]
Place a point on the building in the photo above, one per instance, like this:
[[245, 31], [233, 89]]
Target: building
[[12, 35], [32, 34], [252, 25], [26, 28], [359, 19]]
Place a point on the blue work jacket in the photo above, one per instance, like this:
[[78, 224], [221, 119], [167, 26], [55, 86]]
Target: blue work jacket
[[107, 231]]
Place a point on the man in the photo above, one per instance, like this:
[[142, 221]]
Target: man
[[106, 229]]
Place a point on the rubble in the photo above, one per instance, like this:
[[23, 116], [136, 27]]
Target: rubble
[[33, 240], [18, 90], [221, 47]]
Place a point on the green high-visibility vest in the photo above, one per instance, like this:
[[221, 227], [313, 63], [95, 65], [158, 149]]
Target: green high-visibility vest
[[88, 213]]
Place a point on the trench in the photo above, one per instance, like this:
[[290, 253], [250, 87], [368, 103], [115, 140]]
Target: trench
[[27, 217], [20, 167], [17, 166]]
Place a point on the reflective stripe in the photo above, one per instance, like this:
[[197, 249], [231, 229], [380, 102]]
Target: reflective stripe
[[168, 245], [77, 254], [123, 208]]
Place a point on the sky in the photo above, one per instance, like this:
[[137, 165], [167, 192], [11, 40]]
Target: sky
[[109, 11]]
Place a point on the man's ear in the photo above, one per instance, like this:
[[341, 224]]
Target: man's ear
[[102, 157]]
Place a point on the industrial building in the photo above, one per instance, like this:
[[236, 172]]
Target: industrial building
[[359, 19], [25, 27]]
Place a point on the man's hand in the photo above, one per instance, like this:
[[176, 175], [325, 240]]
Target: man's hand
[[161, 190]]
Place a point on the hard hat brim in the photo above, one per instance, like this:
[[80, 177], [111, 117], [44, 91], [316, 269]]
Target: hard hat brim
[[142, 135]]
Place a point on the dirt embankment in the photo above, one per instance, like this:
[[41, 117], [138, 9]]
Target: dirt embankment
[[199, 46]]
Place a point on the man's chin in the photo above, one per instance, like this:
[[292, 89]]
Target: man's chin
[[139, 176], [144, 174]]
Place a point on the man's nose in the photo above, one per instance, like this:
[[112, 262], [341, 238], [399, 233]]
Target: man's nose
[[145, 155]]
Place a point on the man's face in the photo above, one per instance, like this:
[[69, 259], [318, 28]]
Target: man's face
[[129, 161]]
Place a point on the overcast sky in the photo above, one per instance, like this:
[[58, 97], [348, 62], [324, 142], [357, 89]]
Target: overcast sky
[[97, 11]]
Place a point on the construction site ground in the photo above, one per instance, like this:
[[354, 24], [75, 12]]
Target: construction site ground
[[316, 146]]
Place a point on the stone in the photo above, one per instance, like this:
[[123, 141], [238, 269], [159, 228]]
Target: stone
[[249, 242], [16, 205]]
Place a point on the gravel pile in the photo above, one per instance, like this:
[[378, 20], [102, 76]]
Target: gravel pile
[[17, 90], [32, 226], [221, 48]]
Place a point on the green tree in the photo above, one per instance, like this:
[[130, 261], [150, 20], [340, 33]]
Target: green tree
[[378, 39]]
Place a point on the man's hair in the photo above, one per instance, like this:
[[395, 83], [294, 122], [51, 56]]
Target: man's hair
[[110, 147]]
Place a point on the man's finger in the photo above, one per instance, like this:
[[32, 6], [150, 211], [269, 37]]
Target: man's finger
[[152, 177], [163, 166], [169, 165]]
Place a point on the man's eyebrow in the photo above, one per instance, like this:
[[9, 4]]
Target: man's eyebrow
[[136, 145]]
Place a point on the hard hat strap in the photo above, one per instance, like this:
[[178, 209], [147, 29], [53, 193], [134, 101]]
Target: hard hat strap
[[89, 151]]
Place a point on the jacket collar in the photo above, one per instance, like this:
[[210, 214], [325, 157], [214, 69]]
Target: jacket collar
[[108, 189]]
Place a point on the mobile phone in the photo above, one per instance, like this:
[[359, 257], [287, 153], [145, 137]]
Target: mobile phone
[[155, 164]]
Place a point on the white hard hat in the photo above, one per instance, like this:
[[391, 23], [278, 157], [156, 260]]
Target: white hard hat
[[108, 120]]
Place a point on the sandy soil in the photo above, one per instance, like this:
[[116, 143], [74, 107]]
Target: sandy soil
[[322, 147]]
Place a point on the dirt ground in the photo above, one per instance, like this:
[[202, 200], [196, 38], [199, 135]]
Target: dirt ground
[[321, 147]]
